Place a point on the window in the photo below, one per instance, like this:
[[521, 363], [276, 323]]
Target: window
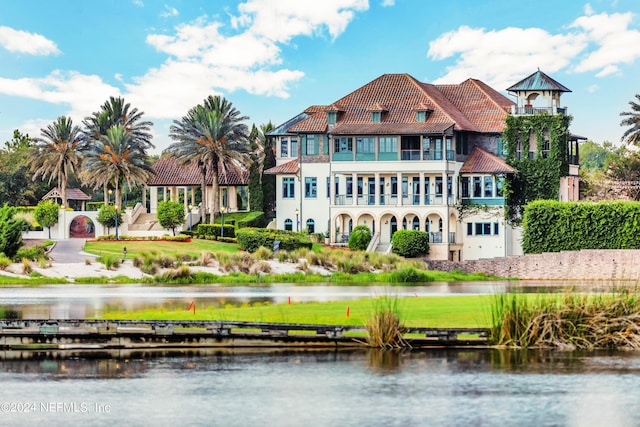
[[439, 186], [488, 186], [294, 146], [331, 117], [394, 185], [349, 186], [477, 186], [449, 142], [388, 144], [337, 185], [496, 228], [328, 187], [365, 146], [449, 185], [499, 186], [311, 226], [405, 186], [343, 145], [437, 148], [284, 147], [312, 145], [360, 186], [465, 186], [288, 224], [483, 228], [311, 187], [288, 188], [376, 116], [421, 116], [469, 229]]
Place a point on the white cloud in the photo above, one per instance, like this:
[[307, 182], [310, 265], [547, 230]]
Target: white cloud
[[512, 52], [592, 43], [169, 12], [593, 88], [24, 42], [388, 3], [138, 3]]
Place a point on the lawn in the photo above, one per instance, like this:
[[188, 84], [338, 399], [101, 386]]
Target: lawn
[[136, 247], [468, 311]]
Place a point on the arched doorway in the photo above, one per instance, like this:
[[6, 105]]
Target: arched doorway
[[311, 226], [288, 224], [393, 226], [82, 227]]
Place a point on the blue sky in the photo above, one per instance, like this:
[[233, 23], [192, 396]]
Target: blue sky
[[274, 58]]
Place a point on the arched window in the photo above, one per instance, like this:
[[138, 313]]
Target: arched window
[[416, 223], [288, 224], [404, 223], [440, 225], [311, 226]]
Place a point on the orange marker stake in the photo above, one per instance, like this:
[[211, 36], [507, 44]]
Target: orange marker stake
[[289, 300], [348, 310]]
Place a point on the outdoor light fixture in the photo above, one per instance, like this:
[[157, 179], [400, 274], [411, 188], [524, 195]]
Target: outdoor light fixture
[[116, 221], [190, 207], [297, 221], [222, 209]]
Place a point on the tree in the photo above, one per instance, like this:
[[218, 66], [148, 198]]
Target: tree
[[16, 185], [10, 231], [56, 154], [255, 170], [632, 119], [107, 216], [170, 215], [212, 135], [114, 112], [46, 213], [268, 181], [117, 158], [360, 238]]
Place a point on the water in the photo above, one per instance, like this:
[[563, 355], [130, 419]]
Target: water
[[90, 301], [347, 388]]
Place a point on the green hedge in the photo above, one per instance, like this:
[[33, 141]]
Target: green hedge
[[360, 238], [410, 243], [250, 239], [214, 230], [552, 226]]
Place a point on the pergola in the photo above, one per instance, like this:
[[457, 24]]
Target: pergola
[[72, 194]]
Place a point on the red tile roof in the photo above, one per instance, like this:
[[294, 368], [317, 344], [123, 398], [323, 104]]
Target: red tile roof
[[289, 168], [471, 106], [72, 194], [169, 172], [481, 161]]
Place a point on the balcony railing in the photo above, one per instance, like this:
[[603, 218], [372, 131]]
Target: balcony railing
[[389, 199], [524, 111], [435, 237]]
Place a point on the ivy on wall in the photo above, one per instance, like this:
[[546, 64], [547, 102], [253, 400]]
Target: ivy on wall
[[537, 177]]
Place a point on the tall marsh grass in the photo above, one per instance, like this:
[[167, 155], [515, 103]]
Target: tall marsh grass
[[567, 321], [384, 327]]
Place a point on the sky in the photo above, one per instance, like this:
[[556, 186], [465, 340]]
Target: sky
[[274, 58]]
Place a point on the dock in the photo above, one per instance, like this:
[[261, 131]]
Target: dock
[[47, 334]]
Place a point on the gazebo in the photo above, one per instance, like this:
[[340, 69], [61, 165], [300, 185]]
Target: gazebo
[[72, 194]]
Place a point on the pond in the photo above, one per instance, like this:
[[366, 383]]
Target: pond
[[342, 388], [89, 301]]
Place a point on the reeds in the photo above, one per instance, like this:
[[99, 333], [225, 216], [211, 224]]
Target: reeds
[[567, 321], [385, 330]]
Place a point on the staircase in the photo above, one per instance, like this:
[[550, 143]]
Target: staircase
[[384, 248], [146, 222]]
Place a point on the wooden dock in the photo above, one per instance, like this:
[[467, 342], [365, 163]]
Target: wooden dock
[[129, 334]]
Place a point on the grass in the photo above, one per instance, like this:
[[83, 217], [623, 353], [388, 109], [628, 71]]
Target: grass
[[136, 248], [434, 311]]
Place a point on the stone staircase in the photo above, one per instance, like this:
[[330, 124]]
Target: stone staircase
[[384, 248], [146, 222]]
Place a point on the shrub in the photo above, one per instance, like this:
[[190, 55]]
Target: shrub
[[10, 231], [33, 253], [250, 239], [215, 230], [360, 238], [410, 243], [5, 262]]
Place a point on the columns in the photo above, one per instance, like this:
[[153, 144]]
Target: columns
[[399, 188], [153, 200]]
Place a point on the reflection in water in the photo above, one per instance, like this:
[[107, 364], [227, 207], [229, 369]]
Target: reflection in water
[[318, 388]]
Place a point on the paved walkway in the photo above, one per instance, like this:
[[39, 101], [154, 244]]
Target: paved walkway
[[69, 251]]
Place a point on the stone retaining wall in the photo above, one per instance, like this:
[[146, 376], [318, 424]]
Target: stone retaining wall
[[614, 264]]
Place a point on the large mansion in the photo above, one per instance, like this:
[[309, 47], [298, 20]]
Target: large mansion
[[398, 153]]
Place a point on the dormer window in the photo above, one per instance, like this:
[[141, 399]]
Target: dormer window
[[422, 112], [332, 117], [376, 116], [377, 110], [421, 116]]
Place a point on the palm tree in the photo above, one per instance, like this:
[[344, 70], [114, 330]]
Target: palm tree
[[57, 154], [212, 135], [117, 158], [632, 135], [116, 112]]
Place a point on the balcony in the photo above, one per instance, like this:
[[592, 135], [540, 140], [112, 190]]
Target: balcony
[[390, 199], [531, 110]]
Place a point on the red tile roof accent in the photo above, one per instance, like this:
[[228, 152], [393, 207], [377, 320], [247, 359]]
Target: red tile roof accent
[[471, 106], [72, 194], [485, 107], [289, 168], [169, 172], [481, 161]]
